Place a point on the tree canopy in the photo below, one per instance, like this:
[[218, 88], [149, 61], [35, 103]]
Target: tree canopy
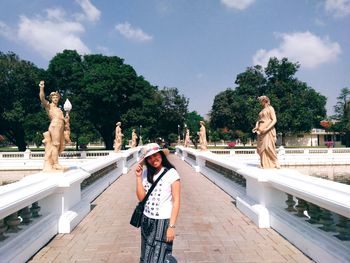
[[173, 111], [298, 107], [342, 115], [20, 108], [102, 89]]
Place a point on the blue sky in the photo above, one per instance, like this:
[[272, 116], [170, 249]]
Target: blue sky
[[198, 46]]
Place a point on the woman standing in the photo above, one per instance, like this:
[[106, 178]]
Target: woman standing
[[265, 129], [162, 206]]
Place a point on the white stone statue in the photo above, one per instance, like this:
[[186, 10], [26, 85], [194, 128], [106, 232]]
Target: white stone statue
[[202, 137], [133, 138], [118, 137], [265, 129], [187, 138], [59, 131]]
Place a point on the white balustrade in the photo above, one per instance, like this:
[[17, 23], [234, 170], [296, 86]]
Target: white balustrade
[[28, 154], [51, 203], [261, 194]]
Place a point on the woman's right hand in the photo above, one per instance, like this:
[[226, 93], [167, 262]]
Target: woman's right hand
[[139, 170]]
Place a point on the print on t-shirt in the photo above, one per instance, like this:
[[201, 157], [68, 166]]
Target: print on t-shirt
[[159, 203]]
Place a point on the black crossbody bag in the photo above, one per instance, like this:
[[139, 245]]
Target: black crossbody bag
[[138, 212]]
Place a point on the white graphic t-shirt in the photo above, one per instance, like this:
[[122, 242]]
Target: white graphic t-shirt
[[159, 203]]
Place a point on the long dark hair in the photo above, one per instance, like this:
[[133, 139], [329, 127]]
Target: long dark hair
[[152, 171]]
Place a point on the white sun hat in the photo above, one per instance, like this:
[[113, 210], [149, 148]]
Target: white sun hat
[[150, 149]]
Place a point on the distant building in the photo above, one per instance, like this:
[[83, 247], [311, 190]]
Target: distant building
[[317, 137]]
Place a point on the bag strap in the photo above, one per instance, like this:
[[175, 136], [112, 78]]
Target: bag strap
[[153, 186]]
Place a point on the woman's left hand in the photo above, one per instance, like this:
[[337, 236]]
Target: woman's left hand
[[170, 235]]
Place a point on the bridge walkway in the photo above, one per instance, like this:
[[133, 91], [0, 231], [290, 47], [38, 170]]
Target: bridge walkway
[[209, 229]]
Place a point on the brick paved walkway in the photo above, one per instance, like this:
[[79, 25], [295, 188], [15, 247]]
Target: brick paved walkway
[[209, 229]]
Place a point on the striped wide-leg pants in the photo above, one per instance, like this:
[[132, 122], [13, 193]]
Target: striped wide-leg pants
[[154, 247]]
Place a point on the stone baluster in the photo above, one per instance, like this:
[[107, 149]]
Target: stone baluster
[[343, 228], [13, 221], [326, 219], [235, 178], [35, 210], [241, 180], [290, 203], [314, 212], [26, 214], [3, 229], [301, 207]]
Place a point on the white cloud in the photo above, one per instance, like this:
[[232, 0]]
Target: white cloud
[[237, 4], [55, 14], [303, 47], [132, 33], [6, 31], [91, 13], [338, 8], [104, 50], [51, 34]]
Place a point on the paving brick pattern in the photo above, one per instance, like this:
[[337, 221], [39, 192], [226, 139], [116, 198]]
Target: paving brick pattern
[[209, 229]]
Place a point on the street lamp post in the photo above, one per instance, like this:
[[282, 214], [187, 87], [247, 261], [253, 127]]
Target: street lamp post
[[184, 131], [67, 107], [178, 134], [140, 141]]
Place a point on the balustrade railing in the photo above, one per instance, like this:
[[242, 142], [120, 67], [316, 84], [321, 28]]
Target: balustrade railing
[[282, 150], [97, 153], [302, 208], [44, 204], [228, 173], [97, 175], [130, 157], [65, 154], [12, 155], [323, 219], [193, 157]]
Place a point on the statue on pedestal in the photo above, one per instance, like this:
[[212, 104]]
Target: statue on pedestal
[[202, 137], [118, 137], [187, 138], [133, 138], [264, 128], [58, 133]]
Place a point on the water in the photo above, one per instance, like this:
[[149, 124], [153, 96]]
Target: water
[[337, 173]]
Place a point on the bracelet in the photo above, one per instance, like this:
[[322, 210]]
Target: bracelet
[[171, 226]]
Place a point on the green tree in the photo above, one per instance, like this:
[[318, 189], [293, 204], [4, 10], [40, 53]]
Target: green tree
[[342, 115], [66, 74], [222, 113], [237, 108], [173, 112], [18, 98], [215, 137], [104, 90], [112, 88], [298, 107], [172, 138], [192, 123]]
